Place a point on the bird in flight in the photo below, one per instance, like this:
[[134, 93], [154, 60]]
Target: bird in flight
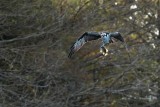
[[106, 37]]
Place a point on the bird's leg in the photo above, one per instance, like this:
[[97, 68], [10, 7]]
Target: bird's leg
[[103, 50]]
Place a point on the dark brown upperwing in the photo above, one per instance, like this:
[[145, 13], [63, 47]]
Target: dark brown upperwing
[[90, 36], [117, 35]]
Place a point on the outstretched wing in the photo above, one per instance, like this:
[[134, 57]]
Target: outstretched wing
[[117, 35], [87, 36]]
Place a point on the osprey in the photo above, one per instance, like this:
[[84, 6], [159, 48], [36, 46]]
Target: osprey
[[89, 36]]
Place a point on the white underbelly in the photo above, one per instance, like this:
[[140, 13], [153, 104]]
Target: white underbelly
[[106, 39]]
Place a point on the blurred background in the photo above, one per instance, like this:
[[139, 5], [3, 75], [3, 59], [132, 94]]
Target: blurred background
[[35, 37]]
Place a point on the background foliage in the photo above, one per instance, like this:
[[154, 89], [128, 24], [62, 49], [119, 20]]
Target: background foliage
[[35, 37]]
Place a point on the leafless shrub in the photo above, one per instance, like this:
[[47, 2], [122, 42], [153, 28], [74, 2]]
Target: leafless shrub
[[34, 40]]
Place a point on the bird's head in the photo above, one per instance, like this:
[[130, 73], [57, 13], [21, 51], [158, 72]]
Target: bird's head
[[103, 34]]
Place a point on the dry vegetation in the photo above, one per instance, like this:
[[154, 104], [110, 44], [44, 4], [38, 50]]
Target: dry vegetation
[[35, 37]]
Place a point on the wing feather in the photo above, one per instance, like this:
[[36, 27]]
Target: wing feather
[[117, 35], [87, 36]]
